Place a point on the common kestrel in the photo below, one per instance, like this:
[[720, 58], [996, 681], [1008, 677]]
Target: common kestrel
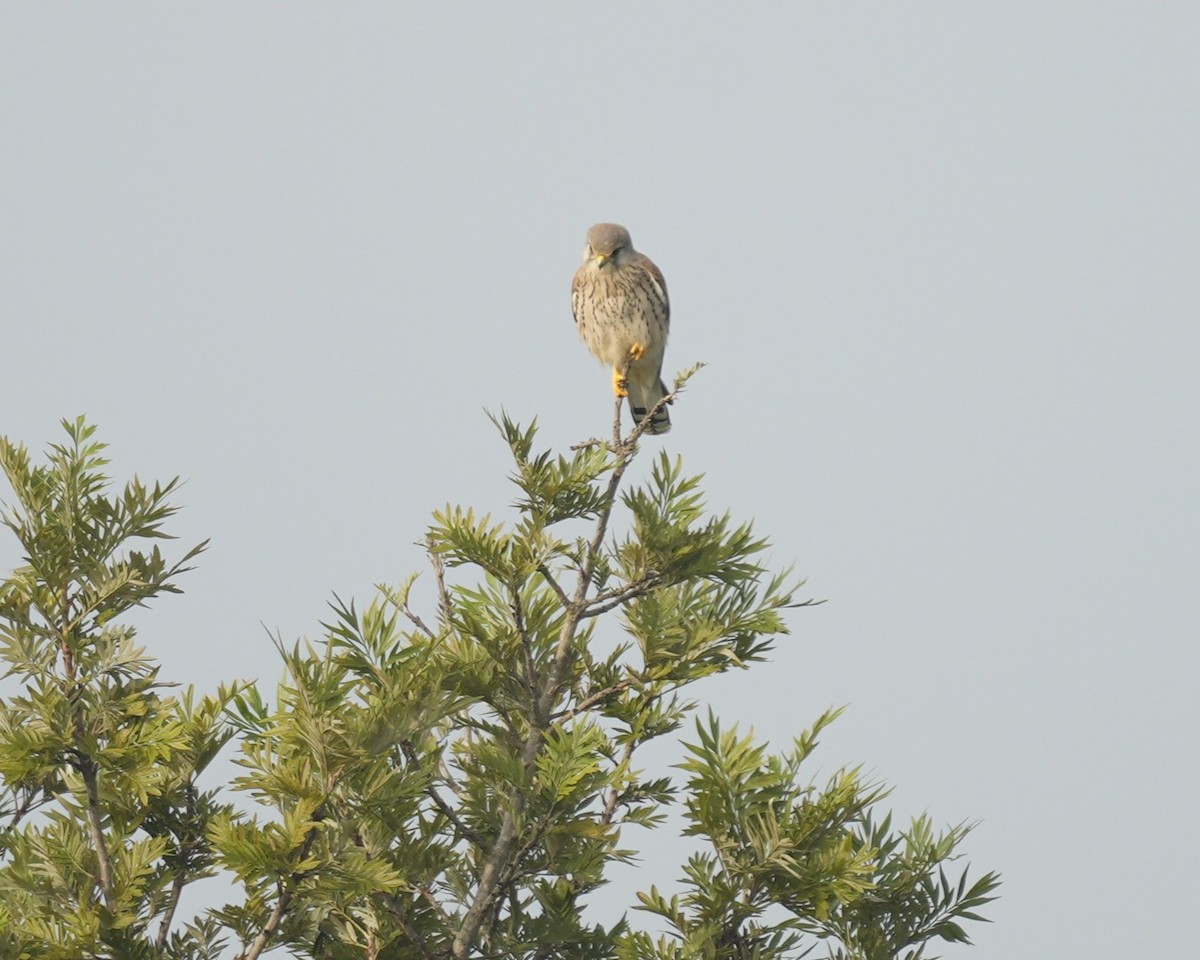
[[619, 299]]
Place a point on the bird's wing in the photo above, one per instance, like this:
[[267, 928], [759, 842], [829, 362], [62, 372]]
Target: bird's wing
[[577, 296], [659, 285]]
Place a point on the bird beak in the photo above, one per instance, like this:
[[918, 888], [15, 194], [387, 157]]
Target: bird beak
[[600, 259]]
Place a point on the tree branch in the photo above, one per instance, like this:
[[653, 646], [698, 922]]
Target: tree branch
[[83, 762], [498, 861], [396, 909], [411, 615], [610, 804], [439, 575], [447, 811], [164, 927], [611, 599], [187, 846], [29, 802], [429, 898], [526, 643], [565, 716], [91, 782], [616, 437], [287, 893], [268, 931], [554, 585]]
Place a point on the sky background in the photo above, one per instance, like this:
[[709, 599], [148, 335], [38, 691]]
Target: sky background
[[941, 259]]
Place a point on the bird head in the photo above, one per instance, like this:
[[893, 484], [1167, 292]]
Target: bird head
[[605, 241]]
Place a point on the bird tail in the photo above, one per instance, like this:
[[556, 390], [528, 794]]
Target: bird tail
[[642, 398]]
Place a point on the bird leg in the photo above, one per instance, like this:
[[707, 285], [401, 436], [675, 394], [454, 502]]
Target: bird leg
[[620, 383], [621, 373]]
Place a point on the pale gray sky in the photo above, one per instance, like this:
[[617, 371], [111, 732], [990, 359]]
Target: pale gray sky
[[942, 261]]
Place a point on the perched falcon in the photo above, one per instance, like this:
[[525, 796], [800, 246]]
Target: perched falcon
[[619, 299]]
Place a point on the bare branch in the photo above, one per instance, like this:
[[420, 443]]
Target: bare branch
[[617, 596], [591, 700], [641, 426], [428, 897], [518, 615], [90, 774], [512, 872], [610, 803], [489, 877], [268, 931], [439, 574], [402, 604], [616, 437], [179, 881], [82, 761], [164, 927], [554, 585], [416, 621]]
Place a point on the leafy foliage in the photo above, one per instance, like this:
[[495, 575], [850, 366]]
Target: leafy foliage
[[103, 823], [451, 784]]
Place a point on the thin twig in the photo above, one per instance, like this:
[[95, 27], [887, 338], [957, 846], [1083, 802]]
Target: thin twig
[[30, 800], [591, 700], [616, 439], [526, 642], [64, 644], [447, 811], [416, 621], [397, 910], [625, 589], [439, 575], [514, 865], [554, 585], [610, 804], [428, 897], [187, 847], [641, 426], [411, 615], [87, 767], [619, 596]]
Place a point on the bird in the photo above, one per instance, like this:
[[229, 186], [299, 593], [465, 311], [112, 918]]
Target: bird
[[619, 300]]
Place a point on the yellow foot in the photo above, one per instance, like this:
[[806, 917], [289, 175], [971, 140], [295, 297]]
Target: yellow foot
[[620, 384], [637, 351]]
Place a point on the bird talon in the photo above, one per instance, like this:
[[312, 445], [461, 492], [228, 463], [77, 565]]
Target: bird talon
[[637, 351], [620, 384]]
